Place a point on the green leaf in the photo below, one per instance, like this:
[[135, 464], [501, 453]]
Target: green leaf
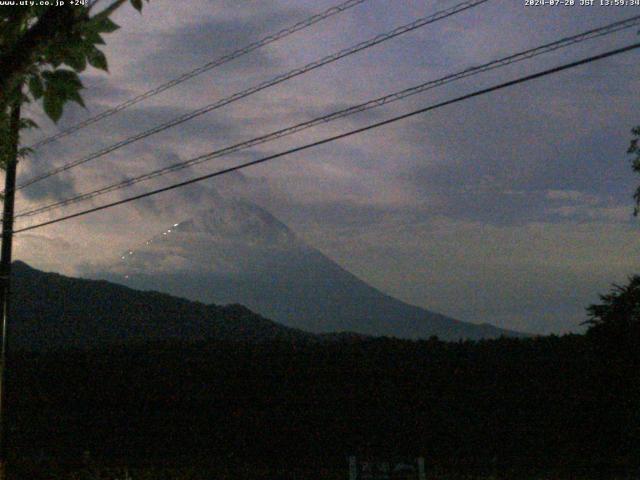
[[26, 123], [103, 25], [75, 58], [75, 97], [53, 106], [24, 152], [35, 86], [62, 81], [137, 4], [94, 38], [61, 86], [97, 59]]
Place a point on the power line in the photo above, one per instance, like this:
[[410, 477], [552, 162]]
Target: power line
[[350, 133], [517, 57], [203, 68], [421, 22]]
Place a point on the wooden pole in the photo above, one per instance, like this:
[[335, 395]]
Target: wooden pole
[[5, 271]]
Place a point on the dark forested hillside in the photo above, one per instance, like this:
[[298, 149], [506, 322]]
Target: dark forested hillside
[[511, 405], [142, 378], [53, 311]]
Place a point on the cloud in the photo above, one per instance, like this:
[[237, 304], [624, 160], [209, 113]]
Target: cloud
[[541, 276], [53, 188], [510, 208], [572, 196], [46, 252]]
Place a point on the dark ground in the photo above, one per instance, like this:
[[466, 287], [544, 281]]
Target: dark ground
[[566, 407]]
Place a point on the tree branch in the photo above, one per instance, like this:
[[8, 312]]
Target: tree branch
[[54, 23]]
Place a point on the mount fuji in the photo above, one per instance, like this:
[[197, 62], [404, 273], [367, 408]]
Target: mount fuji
[[238, 253]]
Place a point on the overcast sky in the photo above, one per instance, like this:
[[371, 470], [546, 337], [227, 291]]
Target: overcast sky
[[513, 208]]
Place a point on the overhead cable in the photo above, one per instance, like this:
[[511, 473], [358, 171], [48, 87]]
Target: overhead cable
[[333, 138], [499, 63], [421, 22], [203, 68]]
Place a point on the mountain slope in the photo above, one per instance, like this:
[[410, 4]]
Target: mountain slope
[[54, 311], [238, 252]]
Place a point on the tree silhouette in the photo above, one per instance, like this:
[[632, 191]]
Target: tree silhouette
[[619, 310], [615, 323], [45, 47], [634, 149], [36, 40]]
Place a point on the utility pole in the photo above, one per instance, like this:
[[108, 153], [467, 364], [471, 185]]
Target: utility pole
[[5, 269]]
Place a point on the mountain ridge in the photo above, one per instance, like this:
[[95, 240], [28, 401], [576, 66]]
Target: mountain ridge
[[238, 252], [52, 311]]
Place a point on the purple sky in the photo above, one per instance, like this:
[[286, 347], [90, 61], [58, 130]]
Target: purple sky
[[513, 208]]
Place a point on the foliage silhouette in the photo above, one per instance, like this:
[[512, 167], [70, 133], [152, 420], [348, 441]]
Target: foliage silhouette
[[45, 47]]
